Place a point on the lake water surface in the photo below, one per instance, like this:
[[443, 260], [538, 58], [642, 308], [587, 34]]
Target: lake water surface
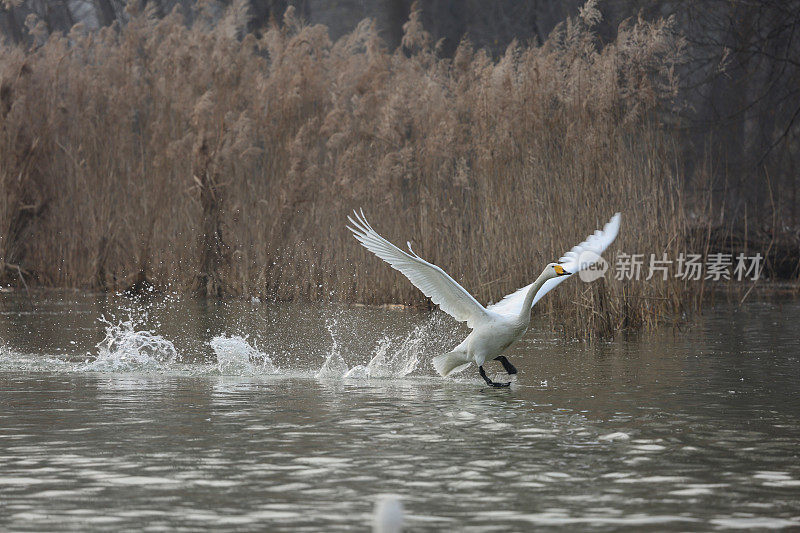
[[186, 415]]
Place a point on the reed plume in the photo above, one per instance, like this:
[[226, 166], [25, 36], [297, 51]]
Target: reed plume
[[200, 157]]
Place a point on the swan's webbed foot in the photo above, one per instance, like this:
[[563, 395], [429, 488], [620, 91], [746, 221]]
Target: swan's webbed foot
[[490, 382], [511, 369]]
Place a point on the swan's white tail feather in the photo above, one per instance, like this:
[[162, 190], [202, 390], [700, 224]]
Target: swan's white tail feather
[[449, 363]]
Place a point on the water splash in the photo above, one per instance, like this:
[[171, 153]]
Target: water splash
[[15, 361], [235, 356], [124, 349], [334, 365], [145, 336], [394, 356], [378, 366]]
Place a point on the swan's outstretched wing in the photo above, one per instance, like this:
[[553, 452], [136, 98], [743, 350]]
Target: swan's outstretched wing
[[577, 259], [427, 277]]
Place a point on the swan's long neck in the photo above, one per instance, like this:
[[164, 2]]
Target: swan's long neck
[[526, 307]]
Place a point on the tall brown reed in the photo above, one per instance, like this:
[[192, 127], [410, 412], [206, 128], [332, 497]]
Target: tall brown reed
[[198, 157]]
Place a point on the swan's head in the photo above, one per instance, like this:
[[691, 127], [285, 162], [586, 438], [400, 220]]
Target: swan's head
[[556, 270]]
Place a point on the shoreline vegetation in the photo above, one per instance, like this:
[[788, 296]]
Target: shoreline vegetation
[[204, 159]]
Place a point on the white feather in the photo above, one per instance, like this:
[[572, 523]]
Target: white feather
[[596, 243], [427, 277]]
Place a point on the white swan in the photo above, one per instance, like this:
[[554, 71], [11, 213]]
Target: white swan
[[498, 326]]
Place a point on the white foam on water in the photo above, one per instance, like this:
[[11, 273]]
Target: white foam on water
[[235, 356], [124, 349]]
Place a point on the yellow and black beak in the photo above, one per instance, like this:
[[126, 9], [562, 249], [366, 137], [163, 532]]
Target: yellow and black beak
[[560, 271]]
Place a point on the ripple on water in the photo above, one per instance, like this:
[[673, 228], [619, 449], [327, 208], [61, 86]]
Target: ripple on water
[[698, 489], [616, 436], [174, 448], [753, 523], [565, 519], [776, 479]]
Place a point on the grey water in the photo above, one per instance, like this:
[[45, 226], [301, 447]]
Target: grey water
[[170, 414]]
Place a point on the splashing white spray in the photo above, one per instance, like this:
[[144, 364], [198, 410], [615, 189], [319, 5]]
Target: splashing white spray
[[235, 356], [394, 356], [124, 349], [334, 365]]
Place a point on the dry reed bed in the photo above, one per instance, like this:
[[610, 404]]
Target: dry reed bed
[[200, 158]]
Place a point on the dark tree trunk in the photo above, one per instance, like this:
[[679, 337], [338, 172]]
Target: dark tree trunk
[[397, 12], [105, 12], [12, 25]]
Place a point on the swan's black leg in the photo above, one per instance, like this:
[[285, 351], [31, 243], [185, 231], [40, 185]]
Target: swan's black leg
[[489, 381], [506, 364]]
